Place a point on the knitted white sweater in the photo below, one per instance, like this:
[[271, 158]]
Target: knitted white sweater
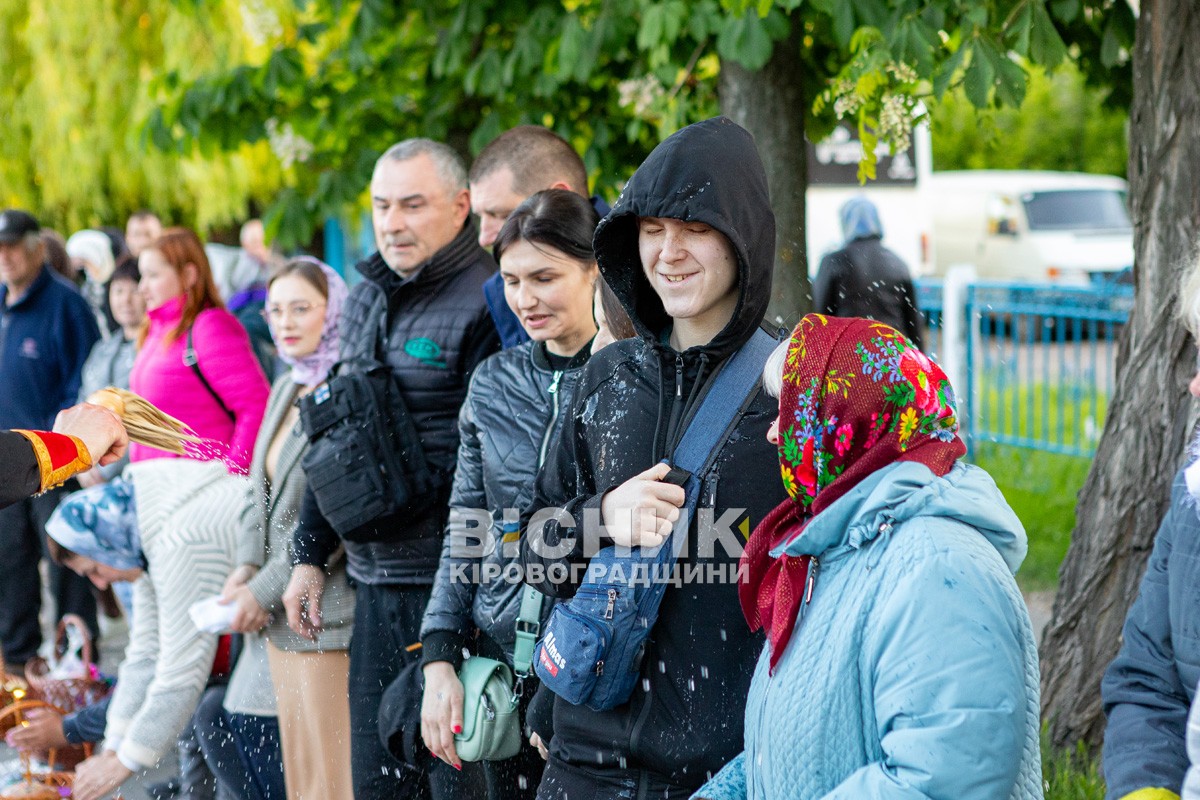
[[188, 513]]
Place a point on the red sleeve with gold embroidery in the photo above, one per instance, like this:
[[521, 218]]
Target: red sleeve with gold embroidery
[[58, 456]]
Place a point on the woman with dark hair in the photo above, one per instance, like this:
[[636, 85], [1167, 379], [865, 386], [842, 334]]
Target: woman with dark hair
[[301, 700], [512, 414], [194, 359]]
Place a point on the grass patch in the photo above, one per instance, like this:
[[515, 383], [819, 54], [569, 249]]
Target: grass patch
[[1042, 489], [1070, 774], [1066, 417]]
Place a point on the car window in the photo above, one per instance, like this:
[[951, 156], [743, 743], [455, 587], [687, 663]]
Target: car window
[[1076, 209]]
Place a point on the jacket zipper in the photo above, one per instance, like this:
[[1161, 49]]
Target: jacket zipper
[[553, 417], [678, 377]]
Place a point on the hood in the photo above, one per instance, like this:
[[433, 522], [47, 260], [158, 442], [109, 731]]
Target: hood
[[859, 219], [905, 491], [164, 485], [708, 172]]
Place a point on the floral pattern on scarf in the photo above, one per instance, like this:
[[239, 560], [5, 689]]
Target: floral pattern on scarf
[[857, 396]]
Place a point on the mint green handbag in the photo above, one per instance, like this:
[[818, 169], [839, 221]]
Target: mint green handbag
[[492, 729]]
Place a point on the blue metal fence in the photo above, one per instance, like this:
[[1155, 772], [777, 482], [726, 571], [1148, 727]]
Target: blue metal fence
[[1039, 360]]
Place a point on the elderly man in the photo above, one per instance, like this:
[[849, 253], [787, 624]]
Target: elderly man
[[422, 294], [516, 164], [46, 332]]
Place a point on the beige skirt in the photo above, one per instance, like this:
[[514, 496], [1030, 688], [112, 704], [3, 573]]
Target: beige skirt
[[314, 722]]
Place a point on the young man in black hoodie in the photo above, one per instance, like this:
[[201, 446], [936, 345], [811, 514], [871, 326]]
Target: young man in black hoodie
[[689, 249]]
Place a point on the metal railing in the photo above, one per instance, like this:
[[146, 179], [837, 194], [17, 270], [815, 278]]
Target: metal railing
[[1039, 360]]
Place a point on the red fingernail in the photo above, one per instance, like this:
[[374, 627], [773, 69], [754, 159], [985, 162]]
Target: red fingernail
[[458, 728], [457, 767]]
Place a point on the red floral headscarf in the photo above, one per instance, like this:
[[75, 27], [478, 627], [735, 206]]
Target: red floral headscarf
[[857, 396]]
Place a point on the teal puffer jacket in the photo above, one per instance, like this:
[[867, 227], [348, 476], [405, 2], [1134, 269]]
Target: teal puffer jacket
[[913, 671]]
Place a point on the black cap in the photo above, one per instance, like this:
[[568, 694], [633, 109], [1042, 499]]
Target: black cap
[[15, 225]]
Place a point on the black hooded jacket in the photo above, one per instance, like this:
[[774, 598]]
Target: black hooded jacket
[[684, 720]]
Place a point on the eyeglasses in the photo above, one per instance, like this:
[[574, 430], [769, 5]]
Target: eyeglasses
[[297, 311]]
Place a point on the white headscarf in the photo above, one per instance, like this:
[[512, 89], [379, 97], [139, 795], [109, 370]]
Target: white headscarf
[[95, 248]]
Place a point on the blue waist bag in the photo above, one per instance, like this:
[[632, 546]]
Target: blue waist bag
[[592, 650]]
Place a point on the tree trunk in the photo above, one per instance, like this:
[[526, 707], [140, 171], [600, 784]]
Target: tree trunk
[[770, 103], [1145, 435]]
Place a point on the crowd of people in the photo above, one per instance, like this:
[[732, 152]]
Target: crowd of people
[[537, 507]]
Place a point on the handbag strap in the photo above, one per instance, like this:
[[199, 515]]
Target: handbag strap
[[190, 359], [529, 627]]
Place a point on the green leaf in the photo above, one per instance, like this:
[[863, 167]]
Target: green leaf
[[1066, 10], [1011, 80], [571, 44], [1018, 30], [1046, 47], [764, 7], [980, 75], [791, 448], [1110, 45], [745, 40], [283, 69], [650, 33], [945, 74], [843, 22]]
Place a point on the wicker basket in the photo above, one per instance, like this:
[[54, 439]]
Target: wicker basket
[[13, 688], [68, 694], [52, 782]]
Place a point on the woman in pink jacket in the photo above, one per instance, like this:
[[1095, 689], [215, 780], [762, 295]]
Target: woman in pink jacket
[[194, 358]]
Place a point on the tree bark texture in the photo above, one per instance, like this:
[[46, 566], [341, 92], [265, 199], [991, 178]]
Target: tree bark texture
[[770, 103], [1145, 434]]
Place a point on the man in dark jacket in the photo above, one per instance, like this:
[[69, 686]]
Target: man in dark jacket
[[46, 333], [864, 278], [424, 289], [515, 165], [689, 250]]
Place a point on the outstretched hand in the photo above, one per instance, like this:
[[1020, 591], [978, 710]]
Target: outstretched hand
[[101, 431]]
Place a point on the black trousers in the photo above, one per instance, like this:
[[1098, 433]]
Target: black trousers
[[562, 781], [387, 619], [23, 545]]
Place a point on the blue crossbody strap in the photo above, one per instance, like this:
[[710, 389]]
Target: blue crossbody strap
[[729, 391], [723, 400]]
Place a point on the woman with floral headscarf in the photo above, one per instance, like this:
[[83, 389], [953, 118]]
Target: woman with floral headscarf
[[900, 661]]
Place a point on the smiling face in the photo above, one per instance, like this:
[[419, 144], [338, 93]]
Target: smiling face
[[101, 575], [160, 282], [551, 294], [296, 312], [693, 269], [414, 212]]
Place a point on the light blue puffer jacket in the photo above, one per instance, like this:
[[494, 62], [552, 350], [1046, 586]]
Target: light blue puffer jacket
[[913, 672]]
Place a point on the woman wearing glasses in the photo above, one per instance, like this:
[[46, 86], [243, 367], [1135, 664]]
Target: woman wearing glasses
[[306, 683]]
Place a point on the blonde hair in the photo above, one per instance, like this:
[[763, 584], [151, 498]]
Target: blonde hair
[[1189, 296], [772, 380]]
